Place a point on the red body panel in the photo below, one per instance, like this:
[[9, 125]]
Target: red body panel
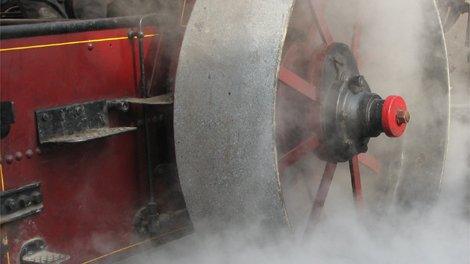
[[91, 191]]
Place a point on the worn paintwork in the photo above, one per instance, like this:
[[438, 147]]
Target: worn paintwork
[[91, 190]]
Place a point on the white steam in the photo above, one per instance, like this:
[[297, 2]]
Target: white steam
[[442, 235]]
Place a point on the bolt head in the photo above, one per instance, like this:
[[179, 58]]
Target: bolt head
[[45, 117], [36, 197], [361, 81], [24, 201], [123, 106], [10, 205], [403, 117]]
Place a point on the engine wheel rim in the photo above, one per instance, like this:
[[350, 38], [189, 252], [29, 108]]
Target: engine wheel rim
[[197, 197]]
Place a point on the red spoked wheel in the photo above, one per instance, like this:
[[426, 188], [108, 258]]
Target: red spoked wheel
[[317, 123], [272, 105]]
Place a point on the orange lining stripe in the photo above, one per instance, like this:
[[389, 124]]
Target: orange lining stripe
[[134, 245], [1, 178], [69, 43]]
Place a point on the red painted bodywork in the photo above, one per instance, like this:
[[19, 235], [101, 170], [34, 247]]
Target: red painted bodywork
[[91, 190]]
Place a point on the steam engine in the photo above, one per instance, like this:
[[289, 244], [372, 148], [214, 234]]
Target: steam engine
[[122, 133]]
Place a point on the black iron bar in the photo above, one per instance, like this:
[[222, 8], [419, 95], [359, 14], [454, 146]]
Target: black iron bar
[[152, 204]]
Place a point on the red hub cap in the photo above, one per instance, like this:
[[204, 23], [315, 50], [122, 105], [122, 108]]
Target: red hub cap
[[395, 116]]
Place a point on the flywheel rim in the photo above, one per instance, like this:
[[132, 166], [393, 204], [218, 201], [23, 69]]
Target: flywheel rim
[[197, 199]]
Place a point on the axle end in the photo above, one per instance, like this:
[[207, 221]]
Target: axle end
[[395, 116]]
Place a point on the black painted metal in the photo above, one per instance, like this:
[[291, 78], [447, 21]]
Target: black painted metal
[[35, 251], [20, 202], [151, 215], [351, 113], [7, 117], [88, 121], [68, 26], [77, 123]]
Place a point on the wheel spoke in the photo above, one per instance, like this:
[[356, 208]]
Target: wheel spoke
[[298, 152], [356, 40], [356, 43], [320, 21], [355, 179], [320, 196], [290, 56], [297, 83], [370, 162]]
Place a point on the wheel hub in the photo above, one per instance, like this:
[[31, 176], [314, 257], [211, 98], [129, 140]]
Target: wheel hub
[[350, 113]]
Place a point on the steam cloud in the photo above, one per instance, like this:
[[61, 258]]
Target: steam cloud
[[441, 235]]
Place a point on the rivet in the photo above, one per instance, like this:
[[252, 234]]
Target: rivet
[[9, 158], [29, 153], [90, 46], [38, 151], [36, 197], [18, 156]]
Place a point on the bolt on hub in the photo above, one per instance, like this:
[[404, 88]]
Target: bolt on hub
[[350, 113]]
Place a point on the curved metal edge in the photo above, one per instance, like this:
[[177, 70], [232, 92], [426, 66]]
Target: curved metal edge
[[449, 98], [276, 85], [421, 172], [224, 83]]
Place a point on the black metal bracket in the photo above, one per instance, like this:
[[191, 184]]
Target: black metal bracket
[[87, 121], [35, 251], [148, 224], [7, 117], [76, 123], [149, 213], [351, 113], [20, 202]]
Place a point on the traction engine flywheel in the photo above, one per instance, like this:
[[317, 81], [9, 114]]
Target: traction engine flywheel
[[264, 99]]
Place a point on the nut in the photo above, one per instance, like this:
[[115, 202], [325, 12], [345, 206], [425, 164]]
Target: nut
[[403, 117]]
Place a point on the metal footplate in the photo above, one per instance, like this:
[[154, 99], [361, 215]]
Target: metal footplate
[[35, 252], [88, 121]]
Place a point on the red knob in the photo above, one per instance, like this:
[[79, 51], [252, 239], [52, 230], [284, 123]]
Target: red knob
[[395, 116]]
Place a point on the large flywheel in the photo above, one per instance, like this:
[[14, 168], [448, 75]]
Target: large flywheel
[[272, 96]]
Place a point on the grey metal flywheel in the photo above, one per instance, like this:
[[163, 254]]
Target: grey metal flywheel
[[268, 92]]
